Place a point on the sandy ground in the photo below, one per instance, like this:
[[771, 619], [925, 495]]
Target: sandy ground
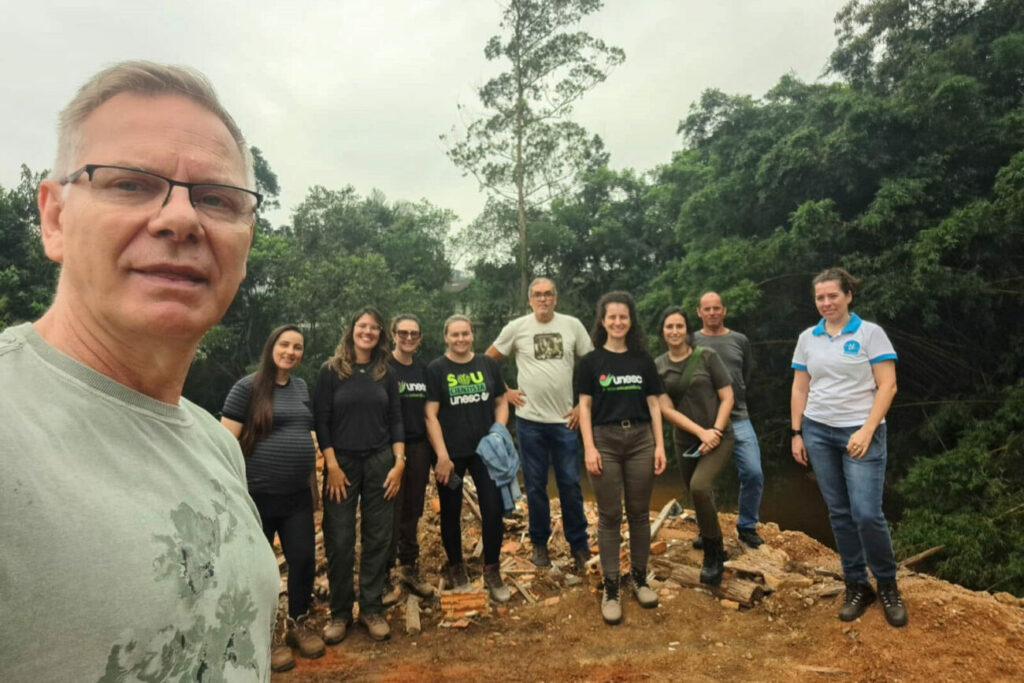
[[787, 635]]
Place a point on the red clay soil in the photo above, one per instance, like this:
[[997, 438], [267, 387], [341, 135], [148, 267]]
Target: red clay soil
[[954, 634]]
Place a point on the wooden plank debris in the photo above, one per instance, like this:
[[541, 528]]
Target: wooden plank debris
[[920, 557], [412, 615], [738, 590], [530, 597]]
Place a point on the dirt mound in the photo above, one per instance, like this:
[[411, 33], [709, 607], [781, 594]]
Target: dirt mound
[[552, 629]]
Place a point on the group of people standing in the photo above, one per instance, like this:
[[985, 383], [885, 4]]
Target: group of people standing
[[383, 419]]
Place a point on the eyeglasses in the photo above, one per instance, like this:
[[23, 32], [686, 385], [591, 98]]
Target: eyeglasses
[[408, 334], [368, 327], [133, 188], [542, 295]]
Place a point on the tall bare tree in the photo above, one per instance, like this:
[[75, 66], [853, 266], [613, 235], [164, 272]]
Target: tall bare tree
[[524, 150]]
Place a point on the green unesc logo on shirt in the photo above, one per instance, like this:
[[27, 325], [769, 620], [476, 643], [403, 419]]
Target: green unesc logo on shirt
[[610, 382]]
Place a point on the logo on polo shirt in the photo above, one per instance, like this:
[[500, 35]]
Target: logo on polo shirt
[[851, 347]]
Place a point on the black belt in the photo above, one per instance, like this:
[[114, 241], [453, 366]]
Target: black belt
[[625, 424]]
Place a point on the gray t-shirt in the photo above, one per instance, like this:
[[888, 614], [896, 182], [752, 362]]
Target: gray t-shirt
[[545, 354], [734, 350], [131, 550]]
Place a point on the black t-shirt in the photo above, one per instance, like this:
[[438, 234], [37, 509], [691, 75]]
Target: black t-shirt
[[619, 384], [281, 461], [357, 414], [465, 393], [412, 391]]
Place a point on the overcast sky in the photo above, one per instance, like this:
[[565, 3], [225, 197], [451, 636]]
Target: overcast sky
[[356, 92]]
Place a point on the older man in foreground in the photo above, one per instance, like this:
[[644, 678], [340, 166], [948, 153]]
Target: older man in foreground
[[131, 548]]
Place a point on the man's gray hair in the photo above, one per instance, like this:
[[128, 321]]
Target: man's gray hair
[[142, 78], [542, 279]]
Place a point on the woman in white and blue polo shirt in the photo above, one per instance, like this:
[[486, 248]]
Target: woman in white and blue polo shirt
[[844, 381]]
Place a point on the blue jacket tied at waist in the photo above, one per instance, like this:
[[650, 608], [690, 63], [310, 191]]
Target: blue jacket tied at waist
[[498, 452]]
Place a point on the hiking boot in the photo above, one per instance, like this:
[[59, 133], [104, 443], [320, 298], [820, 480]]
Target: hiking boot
[[410, 576], [643, 593], [750, 538], [301, 636], [495, 586], [457, 576], [376, 626], [336, 630], [714, 556], [611, 607], [892, 603], [858, 597], [698, 543], [392, 593], [281, 658], [580, 557], [540, 556]]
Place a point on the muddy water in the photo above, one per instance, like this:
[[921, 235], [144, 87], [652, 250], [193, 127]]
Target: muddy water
[[791, 498]]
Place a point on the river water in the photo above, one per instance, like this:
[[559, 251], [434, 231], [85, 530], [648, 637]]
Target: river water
[[791, 497]]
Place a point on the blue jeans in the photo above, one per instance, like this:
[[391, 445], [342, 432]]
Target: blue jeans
[[542, 446], [852, 489], [748, 462]]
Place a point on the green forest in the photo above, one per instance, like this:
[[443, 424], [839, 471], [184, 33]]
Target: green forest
[[903, 163]]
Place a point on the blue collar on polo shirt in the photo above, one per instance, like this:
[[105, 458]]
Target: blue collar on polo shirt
[[851, 326]]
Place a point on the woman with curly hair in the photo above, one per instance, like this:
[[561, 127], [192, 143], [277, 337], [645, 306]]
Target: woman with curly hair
[[359, 428], [623, 444]]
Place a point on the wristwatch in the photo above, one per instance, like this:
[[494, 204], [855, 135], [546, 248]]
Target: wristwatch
[[795, 432]]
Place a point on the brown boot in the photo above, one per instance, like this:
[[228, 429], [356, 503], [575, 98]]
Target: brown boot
[[376, 626], [281, 658], [410, 576], [336, 630], [301, 636]]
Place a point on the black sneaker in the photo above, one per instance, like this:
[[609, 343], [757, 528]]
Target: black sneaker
[[698, 543], [540, 556], [858, 597], [750, 537], [892, 603]]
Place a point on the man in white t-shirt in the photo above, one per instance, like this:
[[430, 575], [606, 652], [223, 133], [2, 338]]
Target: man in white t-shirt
[[545, 345]]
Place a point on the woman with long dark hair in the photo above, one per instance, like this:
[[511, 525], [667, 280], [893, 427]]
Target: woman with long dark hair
[[269, 412], [359, 428], [844, 381], [623, 444], [697, 403], [465, 397]]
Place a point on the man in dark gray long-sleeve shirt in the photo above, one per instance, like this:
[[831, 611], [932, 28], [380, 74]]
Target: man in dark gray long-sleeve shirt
[[734, 350]]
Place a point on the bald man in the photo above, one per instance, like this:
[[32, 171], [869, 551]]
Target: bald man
[[734, 349]]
